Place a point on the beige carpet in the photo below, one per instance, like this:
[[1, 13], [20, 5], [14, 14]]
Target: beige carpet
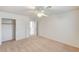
[[35, 44]]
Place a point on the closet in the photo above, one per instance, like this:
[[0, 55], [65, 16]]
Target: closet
[[8, 29]]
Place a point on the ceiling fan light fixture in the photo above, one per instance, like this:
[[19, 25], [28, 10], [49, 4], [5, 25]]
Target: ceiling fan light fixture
[[41, 15]]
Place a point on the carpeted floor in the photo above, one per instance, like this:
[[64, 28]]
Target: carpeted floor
[[36, 44]]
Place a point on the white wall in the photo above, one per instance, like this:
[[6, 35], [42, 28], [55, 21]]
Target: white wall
[[21, 24], [62, 27]]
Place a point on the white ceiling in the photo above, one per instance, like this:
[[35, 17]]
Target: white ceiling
[[16, 9], [26, 10]]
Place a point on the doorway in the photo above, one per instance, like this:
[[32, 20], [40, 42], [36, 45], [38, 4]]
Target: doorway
[[33, 28], [8, 29]]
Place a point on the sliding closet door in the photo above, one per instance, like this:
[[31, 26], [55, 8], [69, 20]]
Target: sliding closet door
[[0, 31], [7, 30]]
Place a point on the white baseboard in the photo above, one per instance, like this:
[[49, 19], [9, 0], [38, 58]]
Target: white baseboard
[[60, 41]]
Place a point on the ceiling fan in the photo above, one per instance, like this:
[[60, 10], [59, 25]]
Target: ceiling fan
[[40, 10]]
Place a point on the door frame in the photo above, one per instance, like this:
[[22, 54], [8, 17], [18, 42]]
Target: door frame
[[14, 29]]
